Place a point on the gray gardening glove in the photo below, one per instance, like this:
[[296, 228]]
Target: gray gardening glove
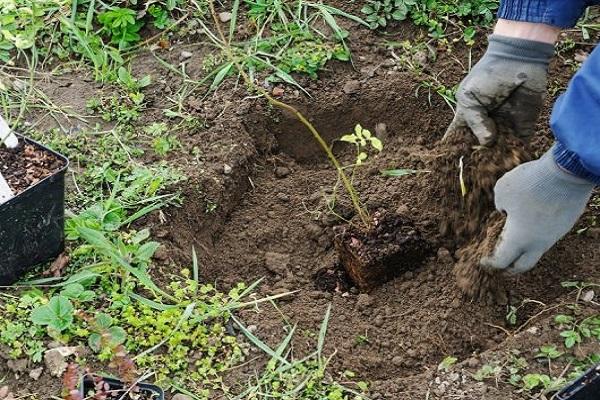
[[542, 203], [505, 90]]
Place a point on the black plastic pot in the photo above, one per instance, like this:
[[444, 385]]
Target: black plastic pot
[[32, 224], [87, 384], [587, 387]]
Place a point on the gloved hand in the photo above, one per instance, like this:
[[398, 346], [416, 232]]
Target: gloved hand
[[542, 203], [505, 90]]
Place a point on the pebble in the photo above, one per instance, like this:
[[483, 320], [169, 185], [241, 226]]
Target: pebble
[[364, 301], [181, 397], [227, 169], [351, 87], [444, 256], [185, 55], [412, 353], [225, 16], [251, 328], [284, 198], [379, 321], [282, 172], [588, 296], [397, 361], [36, 373]]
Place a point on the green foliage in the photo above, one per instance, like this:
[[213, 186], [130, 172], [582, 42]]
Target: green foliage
[[379, 12], [362, 139], [122, 26], [310, 56], [550, 352], [447, 363], [57, 315], [18, 333], [435, 15]]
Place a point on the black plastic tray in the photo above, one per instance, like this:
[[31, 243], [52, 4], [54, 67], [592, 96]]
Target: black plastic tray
[[87, 382], [587, 387], [32, 224]]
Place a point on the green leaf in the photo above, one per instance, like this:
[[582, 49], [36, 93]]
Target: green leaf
[[103, 321], [376, 143], [348, 139], [147, 250], [221, 75], [57, 314], [398, 172]]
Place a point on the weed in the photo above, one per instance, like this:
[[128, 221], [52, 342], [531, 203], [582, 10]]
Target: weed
[[121, 25], [379, 12]]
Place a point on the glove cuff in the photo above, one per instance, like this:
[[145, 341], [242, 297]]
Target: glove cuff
[[523, 50], [558, 172]]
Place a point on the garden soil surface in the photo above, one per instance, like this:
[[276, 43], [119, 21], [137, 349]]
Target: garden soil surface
[[273, 190]]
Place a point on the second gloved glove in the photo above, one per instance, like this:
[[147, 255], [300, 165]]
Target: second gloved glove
[[542, 202]]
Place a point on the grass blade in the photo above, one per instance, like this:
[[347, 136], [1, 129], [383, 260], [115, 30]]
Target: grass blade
[[323, 333], [195, 268], [234, 13], [220, 76], [259, 343]]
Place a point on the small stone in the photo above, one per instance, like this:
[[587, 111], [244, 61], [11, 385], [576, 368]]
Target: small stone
[[380, 129], [444, 256], [36, 373], [161, 254], [588, 296], [284, 198], [225, 16], [412, 353], [185, 55], [455, 303], [581, 56], [277, 262], [282, 172], [351, 87], [534, 330], [227, 169], [379, 321], [364, 301], [397, 361], [3, 392], [251, 328], [55, 359], [278, 91], [181, 397], [472, 362], [17, 366]]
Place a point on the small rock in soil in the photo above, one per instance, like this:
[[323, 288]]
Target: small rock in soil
[[277, 262], [36, 373], [588, 296], [225, 16], [378, 321], [351, 87], [55, 359], [284, 198], [282, 172], [17, 366], [397, 361], [278, 91], [227, 169], [444, 256], [364, 301], [3, 392], [181, 397], [185, 55]]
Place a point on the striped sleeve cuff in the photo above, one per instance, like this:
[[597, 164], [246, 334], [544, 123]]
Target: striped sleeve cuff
[[570, 161]]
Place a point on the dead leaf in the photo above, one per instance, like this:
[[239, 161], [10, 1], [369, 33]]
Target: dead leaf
[[58, 266]]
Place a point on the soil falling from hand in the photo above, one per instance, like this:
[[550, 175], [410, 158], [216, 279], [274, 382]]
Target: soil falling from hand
[[470, 220]]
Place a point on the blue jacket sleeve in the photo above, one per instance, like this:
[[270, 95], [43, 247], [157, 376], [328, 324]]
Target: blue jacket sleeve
[[575, 122], [560, 13]]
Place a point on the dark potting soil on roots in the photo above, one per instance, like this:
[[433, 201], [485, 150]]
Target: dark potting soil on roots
[[27, 165]]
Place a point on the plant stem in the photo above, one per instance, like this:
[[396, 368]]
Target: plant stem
[[361, 211]]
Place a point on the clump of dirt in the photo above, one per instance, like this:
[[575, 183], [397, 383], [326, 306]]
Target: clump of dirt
[[475, 281], [27, 165], [481, 167], [389, 248]]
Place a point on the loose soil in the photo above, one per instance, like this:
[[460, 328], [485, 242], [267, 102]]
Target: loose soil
[[27, 165], [273, 189]]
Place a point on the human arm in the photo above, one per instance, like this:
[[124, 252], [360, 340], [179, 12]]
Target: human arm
[[504, 91]]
